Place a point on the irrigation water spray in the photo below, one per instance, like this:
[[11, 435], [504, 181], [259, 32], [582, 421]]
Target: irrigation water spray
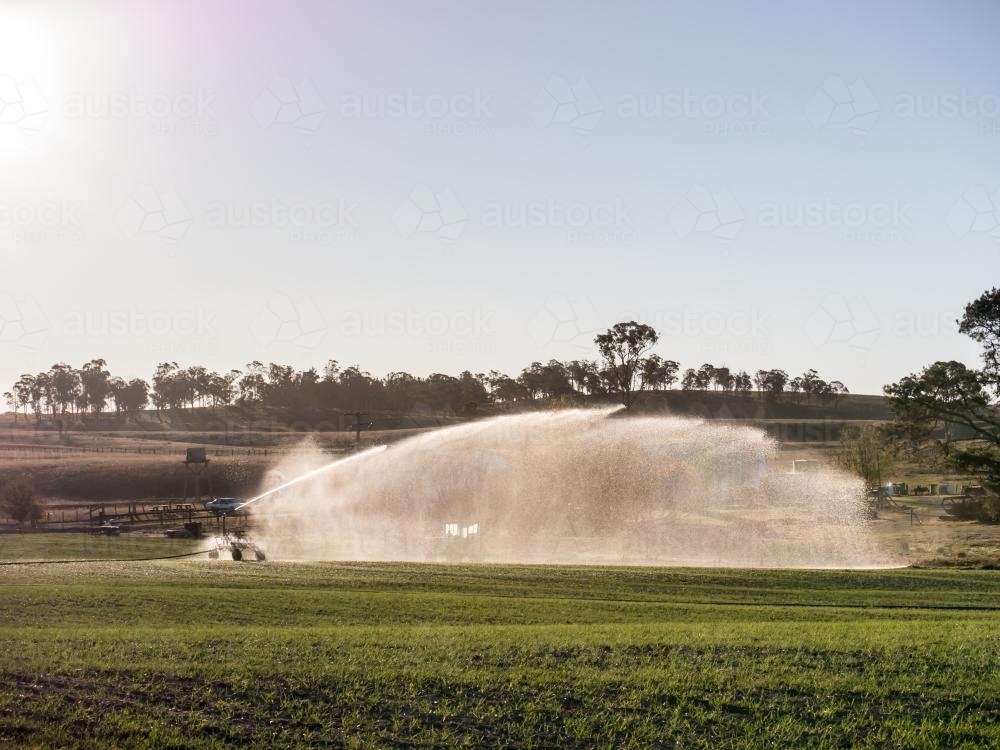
[[311, 474], [574, 486]]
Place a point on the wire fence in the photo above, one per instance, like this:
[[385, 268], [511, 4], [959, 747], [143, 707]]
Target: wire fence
[[27, 450], [147, 515]]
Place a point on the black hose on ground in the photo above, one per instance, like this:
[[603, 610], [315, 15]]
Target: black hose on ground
[[6, 563]]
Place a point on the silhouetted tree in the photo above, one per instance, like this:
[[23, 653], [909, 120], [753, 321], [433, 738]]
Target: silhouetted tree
[[623, 348], [946, 398], [63, 392]]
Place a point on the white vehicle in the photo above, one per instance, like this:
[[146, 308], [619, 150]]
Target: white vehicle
[[223, 505]]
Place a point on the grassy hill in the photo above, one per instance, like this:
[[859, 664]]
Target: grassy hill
[[108, 460], [247, 426], [850, 407]]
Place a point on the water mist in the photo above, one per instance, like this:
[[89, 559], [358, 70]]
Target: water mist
[[574, 486]]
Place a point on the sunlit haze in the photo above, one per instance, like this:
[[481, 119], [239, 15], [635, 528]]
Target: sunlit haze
[[469, 186]]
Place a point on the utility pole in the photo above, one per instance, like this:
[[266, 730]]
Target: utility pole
[[195, 461], [359, 425]]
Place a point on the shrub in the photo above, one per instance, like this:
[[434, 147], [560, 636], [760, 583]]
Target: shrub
[[18, 501]]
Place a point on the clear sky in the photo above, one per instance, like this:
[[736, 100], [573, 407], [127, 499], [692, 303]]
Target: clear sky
[[787, 185]]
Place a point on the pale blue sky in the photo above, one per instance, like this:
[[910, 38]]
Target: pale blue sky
[[906, 284]]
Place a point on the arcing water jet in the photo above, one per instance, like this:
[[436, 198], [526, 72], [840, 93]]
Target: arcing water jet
[[311, 474]]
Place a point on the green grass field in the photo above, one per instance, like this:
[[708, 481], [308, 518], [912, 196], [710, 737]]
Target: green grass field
[[78, 546], [208, 654]]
